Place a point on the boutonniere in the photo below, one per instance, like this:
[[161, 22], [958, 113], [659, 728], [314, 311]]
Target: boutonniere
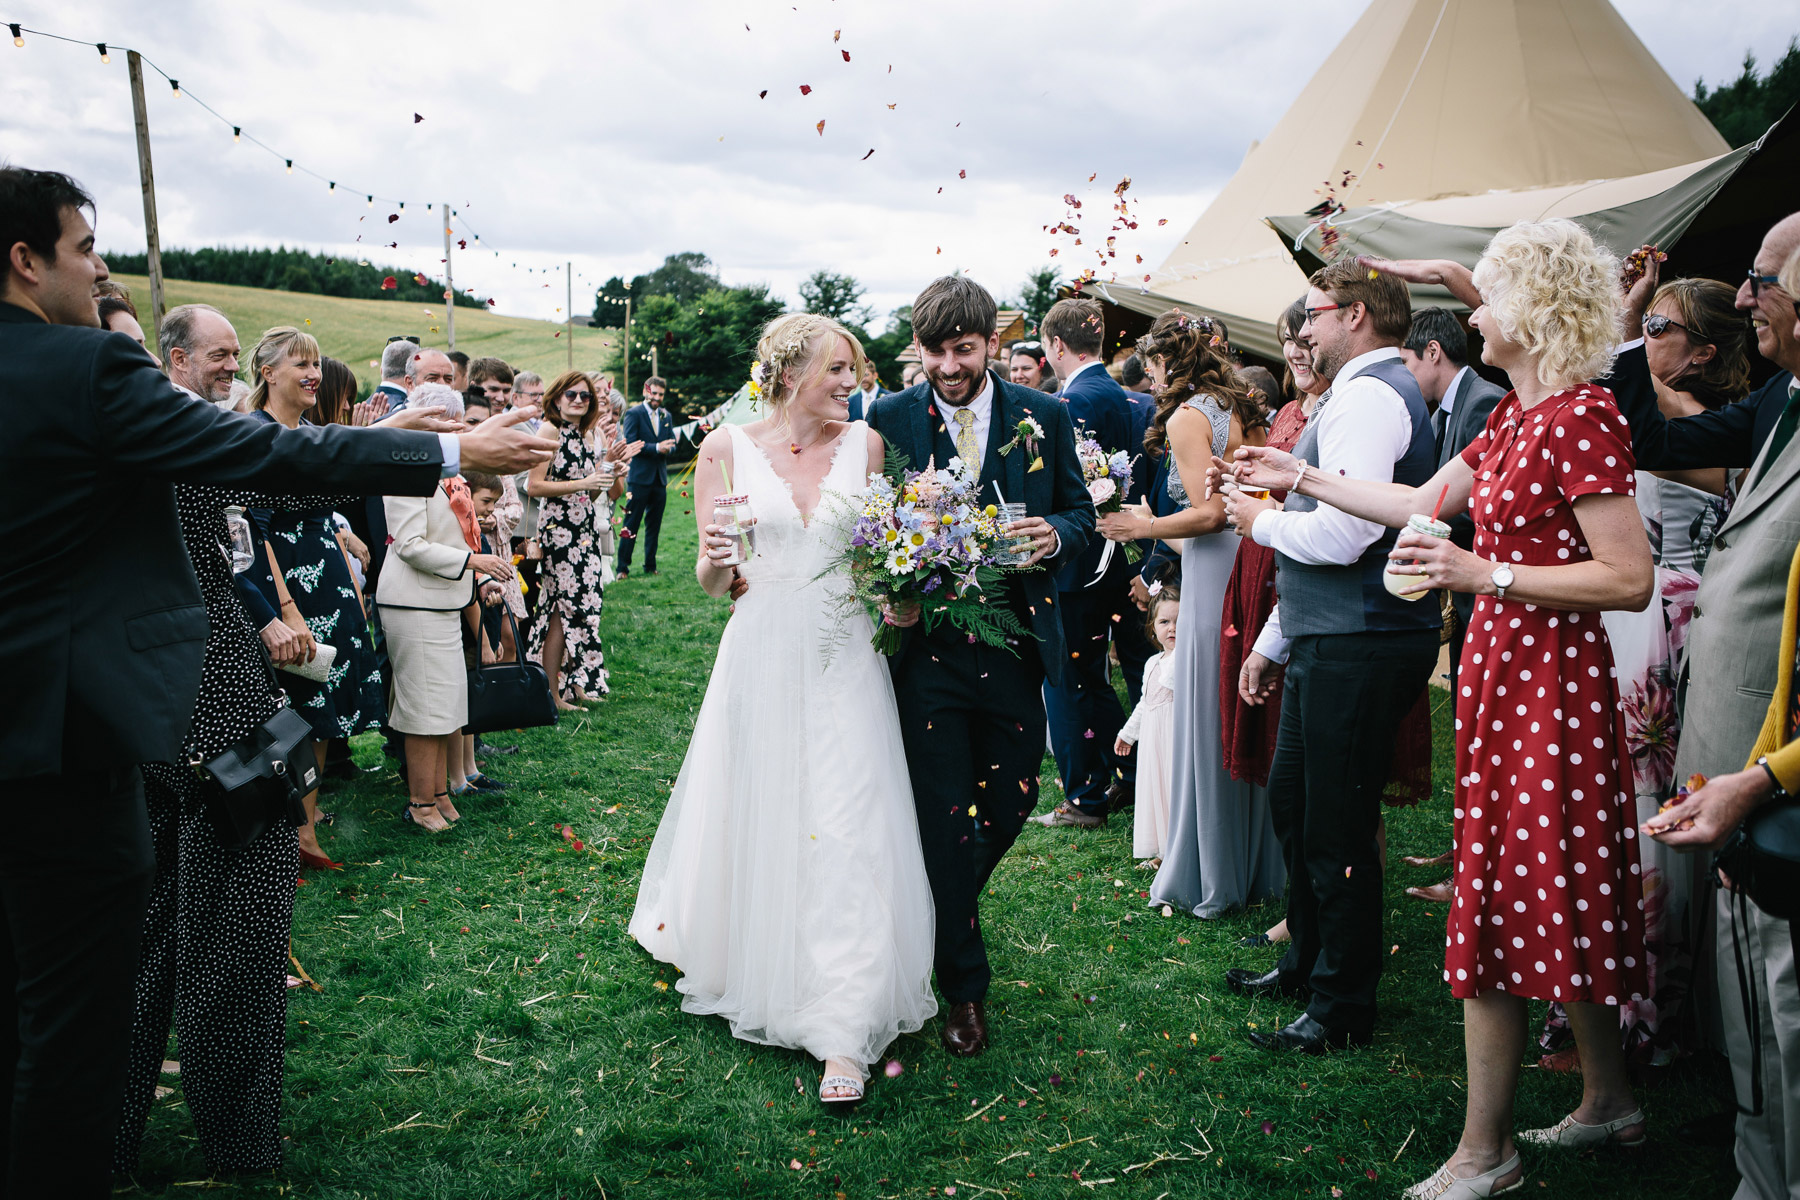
[[1029, 435]]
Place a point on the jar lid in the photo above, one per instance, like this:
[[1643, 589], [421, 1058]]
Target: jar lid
[[729, 501]]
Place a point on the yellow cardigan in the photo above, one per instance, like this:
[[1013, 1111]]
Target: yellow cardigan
[[1784, 759]]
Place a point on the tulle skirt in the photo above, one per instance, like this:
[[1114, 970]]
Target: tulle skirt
[[786, 880]]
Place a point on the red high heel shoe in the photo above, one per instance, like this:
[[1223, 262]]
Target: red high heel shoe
[[319, 862]]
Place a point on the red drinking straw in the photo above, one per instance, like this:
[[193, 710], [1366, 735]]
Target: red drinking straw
[[1439, 506]]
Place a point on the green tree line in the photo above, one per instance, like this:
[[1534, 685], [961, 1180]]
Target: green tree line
[[288, 270], [1743, 109]]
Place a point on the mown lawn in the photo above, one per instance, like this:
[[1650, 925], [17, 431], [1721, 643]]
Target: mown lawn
[[488, 1029]]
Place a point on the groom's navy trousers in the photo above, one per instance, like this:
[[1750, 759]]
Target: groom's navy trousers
[[972, 718]]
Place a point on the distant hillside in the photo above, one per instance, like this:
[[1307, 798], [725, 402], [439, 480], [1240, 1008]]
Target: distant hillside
[[288, 270], [357, 330]]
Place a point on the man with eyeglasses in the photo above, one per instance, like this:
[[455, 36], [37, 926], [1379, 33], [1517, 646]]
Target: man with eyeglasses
[[1732, 665]]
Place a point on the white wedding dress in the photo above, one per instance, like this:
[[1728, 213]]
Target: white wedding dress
[[786, 880]]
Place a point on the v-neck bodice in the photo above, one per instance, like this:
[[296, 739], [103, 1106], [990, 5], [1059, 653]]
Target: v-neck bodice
[[791, 544]]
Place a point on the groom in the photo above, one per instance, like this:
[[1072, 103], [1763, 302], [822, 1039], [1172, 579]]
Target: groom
[[972, 715]]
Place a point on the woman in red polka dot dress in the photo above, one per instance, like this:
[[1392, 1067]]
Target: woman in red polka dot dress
[[1547, 900]]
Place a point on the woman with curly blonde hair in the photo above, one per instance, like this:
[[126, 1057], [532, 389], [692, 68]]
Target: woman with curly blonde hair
[[1547, 893], [787, 877]]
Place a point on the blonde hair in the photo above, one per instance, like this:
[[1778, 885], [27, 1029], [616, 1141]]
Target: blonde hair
[[1555, 292], [795, 344], [284, 341]]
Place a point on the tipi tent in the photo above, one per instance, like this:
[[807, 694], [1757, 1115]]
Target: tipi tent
[[1425, 99]]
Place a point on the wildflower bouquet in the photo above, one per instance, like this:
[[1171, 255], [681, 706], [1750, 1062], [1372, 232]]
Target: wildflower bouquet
[[922, 537], [1107, 476]]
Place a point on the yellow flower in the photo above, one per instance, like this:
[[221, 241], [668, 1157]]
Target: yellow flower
[[947, 519], [918, 539], [890, 536], [990, 511]]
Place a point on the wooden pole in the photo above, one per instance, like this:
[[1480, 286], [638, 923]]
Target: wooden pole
[[625, 354], [449, 282], [655, 365], [569, 312], [147, 177]]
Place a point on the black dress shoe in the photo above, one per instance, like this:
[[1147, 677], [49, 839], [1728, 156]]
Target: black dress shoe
[[1308, 1037], [1264, 983], [965, 1029]]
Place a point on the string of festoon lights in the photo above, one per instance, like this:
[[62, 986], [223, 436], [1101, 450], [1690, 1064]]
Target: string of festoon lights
[[453, 217]]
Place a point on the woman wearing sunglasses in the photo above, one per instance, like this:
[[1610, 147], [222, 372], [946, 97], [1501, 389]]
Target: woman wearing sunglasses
[[565, 632]]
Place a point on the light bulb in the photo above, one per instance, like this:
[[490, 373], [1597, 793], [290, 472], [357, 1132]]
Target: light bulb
[[237, 134], [175, 86], [290, 163], [371, 202], [104, 56], [332, 188], [18, 36]]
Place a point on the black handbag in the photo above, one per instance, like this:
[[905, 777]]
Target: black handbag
[[1763, 859], [262, 779], [514, 695]]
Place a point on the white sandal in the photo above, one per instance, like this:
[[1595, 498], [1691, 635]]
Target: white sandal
[[1445, 1186], [1570, 1134], [843, 1083]]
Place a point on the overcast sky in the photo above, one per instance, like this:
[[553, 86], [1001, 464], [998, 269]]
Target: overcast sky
[[613, 134]]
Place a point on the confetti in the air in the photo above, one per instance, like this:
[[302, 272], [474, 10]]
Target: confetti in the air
[[820, 127], [865, 157], [806, 89], [417, 118]]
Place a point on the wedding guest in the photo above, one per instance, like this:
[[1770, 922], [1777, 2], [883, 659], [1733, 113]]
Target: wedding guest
[[1696, 347], [428, 581], [565, 630], [1548, 902], [649, 477], [910, 374], [476, 408], [1360, 658], [1026, 367], [1220, 852], [494, 380], [869, 390], [459, 370], [396, 357], [528, 390], [464, 774], [1738, 614], [303, 570], [1261, 382], [1149, 732], [110, 451], [1093, 590], [119, 315], [430, 366]]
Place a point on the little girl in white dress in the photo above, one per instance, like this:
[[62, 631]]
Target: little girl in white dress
[[1151, 727]]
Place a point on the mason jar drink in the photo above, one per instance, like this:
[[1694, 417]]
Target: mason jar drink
[[1014, 551], [1395, 583], [735, 520]]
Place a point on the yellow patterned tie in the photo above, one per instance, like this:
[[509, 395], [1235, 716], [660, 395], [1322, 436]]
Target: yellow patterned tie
[[965, 439]]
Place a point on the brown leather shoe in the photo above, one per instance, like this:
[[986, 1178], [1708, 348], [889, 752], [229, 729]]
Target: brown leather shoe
[[965, 1029], [1437, 893], [1435, 860]]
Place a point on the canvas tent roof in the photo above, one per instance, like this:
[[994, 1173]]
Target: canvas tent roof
[[1426, 99], [1708, 216]]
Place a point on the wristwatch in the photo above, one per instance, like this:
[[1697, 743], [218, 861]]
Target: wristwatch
[[1503, 579]]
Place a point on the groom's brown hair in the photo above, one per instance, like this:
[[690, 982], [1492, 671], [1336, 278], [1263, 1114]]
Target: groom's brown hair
[[950, 306]]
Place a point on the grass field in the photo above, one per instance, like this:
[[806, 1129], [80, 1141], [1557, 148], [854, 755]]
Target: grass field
[[488, 1029], [356, 330]]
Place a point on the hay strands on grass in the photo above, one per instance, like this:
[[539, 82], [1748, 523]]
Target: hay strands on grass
[[501, 1062], [980, 1188], [300, 971], [1065, 1145], [413, 1122], [984, 1108], [1162, 1156]]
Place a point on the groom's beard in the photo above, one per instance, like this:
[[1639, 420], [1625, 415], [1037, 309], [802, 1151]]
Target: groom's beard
[[975, 385]]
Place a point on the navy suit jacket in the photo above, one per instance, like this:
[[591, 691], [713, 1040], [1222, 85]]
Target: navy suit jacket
[[1100, 406], [1722, 437], [909, 422], [650, 426]]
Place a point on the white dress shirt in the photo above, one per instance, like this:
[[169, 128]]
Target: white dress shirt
[[1448, 404], [1363, 431], [983, 408]]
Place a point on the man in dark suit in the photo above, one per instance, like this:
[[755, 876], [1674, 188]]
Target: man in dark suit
[[972, 715], [647, 484], [862, 401], [102, 632], [1092, 591]]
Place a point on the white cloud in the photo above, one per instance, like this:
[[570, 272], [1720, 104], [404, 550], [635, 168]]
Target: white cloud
[[592, 132]]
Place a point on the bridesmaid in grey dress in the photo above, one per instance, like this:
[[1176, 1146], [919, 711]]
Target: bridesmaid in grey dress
[[1222, 852]]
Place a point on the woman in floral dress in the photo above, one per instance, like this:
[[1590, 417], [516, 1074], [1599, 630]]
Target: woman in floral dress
[[565, 632], [1547, 901]]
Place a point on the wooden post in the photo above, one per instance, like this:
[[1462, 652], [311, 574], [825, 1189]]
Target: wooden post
[[569, 311], [625, 352], [152, 242], [449, 283]]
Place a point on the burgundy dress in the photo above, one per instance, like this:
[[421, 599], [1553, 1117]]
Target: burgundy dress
[[1248, 732], [1548, 904]]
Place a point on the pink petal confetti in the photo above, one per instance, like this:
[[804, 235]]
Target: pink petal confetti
[[894, 1069], [962, 174], [392, 217], [1268, 1127], [763, 95], [820, 127], [846, 55], [806, 89]]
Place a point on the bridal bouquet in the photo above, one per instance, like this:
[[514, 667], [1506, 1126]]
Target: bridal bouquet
[[1107, 476], [922, 537]]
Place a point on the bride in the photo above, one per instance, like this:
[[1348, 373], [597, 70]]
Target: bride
[[786, 880]]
